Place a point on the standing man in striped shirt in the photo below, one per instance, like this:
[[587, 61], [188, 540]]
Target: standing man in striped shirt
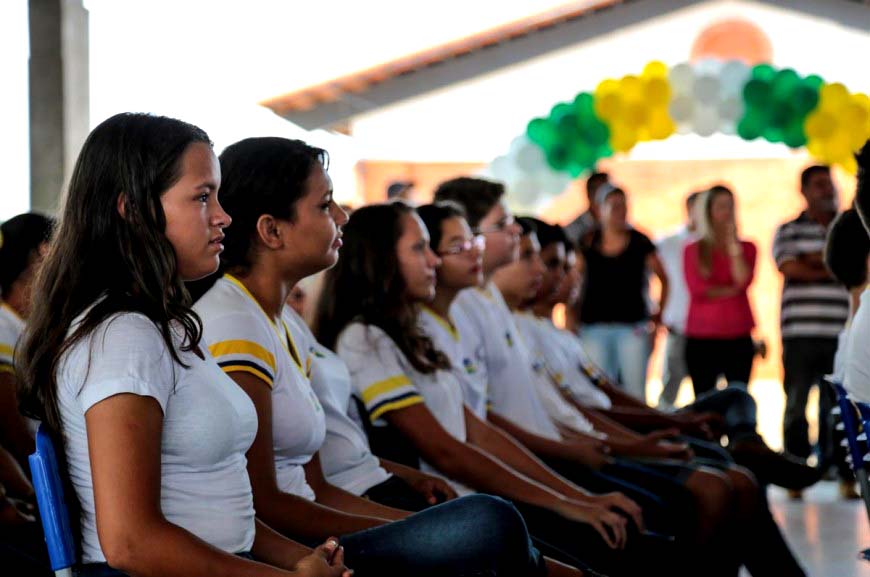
[[814, 309]]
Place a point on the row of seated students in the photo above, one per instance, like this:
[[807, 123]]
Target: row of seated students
[[434, 422]]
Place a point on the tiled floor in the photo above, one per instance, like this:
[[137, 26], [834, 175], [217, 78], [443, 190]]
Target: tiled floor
[[825, 532]]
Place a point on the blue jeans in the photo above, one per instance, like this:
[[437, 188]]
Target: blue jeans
[[622, 351], [477, 535]]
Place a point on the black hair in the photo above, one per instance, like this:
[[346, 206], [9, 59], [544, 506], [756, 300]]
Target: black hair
[[847, 249], [549, 233], [862, 191], [434, 214], [121, 263], [22, 236], [262, 176], [476, 195], [810, 171], [367, 286], [593, 181], [527, 225]]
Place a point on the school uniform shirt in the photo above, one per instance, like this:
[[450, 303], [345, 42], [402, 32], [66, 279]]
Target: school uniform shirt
[[506, 364], [548, 381], [856, 377], [209, 424], [11, 327], [242, 337], [566, 352], [449, 336], [839, 373], [385, 380], [345, 456]]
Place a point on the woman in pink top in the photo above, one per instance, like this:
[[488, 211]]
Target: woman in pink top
[[719, 269]]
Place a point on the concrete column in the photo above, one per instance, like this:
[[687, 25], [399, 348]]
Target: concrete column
[[59, 96]]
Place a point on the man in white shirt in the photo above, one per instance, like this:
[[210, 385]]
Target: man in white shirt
[[671, 248]]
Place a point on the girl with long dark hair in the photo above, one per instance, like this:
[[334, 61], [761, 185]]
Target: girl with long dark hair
[[286, 227], [154, 435]]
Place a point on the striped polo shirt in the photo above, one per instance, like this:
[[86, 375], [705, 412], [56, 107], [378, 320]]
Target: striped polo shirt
[[809, 309]]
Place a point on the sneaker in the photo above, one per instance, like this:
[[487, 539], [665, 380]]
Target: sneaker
[[848, 492]]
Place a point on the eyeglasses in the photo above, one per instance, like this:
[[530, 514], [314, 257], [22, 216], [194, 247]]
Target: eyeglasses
[[476, 242], [500, 226]]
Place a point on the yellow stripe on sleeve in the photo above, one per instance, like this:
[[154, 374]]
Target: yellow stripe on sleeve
[[401, 404], [4, 368], [246, 369], [377, 389], [240, 347], [7, 349]]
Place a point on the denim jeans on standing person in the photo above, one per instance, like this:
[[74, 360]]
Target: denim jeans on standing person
[[622, 351], [674, 368]]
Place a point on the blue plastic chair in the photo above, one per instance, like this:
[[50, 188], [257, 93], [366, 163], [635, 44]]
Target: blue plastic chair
[[855, 423], [52, 506]]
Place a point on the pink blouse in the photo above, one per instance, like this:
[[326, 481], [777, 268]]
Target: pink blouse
[[722, 317]]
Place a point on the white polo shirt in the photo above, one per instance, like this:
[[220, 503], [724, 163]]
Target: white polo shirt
[[209, 423], [385, 380], [857, 362], [242, 337], [563, 353], [548, 381], [450, 337], [345, 456], [506, 365], [11, 327]]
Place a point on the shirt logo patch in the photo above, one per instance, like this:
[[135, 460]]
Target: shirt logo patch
[[470, 367], [509, 339]]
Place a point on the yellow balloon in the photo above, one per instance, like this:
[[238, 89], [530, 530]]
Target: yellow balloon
[[849, 164], [631, 88], [655, 69], [635, 114], [622, 137], [660, 125], [658, 91], [833, 96], [609, 105], [606, 87], [819, 125]]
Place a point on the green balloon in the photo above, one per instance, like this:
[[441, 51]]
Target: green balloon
[[542, 132], [557, 157], [814, 81], [597, 134], [773, 133], [780, 116], [756, 93], [585, 105], [784, 84], [561, 110], [763, 72], [750, 126], [794, 136], [805, 99]]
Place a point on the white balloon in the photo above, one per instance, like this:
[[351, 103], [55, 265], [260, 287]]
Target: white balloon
[[733, 77], [524, 190], [706, 89], [706, 121], [731, 108], [681, 78], [529, 158], [707, 67], [682, 108], [685, 128], [502, 168]]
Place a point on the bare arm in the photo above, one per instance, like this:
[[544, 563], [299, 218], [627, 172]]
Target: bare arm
[[124, 441], [331, 496], [288, 514], [434, 489], [475, 467], [655, 264], [808, 268]]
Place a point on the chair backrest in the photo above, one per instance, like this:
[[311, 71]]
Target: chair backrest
[[52, 506], [851, 426]]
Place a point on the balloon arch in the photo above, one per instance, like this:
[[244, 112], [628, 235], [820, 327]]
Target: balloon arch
[[705, 97]]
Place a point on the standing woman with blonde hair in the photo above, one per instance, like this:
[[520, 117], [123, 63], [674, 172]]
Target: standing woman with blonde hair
[[719, 268]]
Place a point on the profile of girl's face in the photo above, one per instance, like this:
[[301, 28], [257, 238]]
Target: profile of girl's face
[[417, 262], [313, 236], [614, 210], [194, 217], [502, 234], [461, 255], [568, 290], [721, 210]]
